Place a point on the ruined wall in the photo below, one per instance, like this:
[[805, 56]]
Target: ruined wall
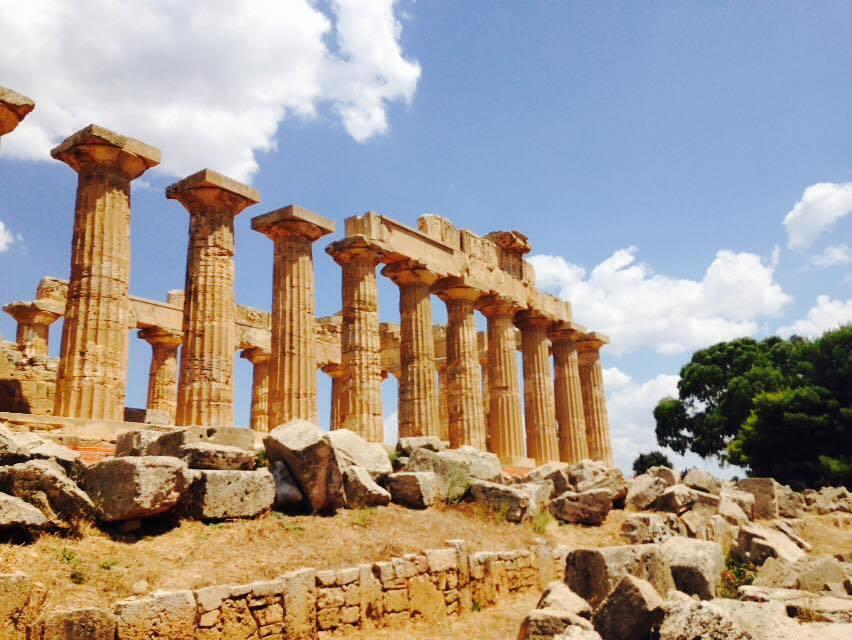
[[27, 384]]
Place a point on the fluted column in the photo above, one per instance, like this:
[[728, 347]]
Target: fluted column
[[91, 381], [13, 108], [293, 367], [464, 373], [259, 418], [539, 405], [505, 420], [206, 386], [443, 408], [163, 372], [337, 373], [568, 392], [418, 394], [34, 320], [360, 341], [594, 397]]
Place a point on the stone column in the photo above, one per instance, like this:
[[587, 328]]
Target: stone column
[[91, 382], [418, 394], [505, 420], [293, 367], [539, 405], [337, 373], [594, 396], [260, 359], [34, 320], [13, 108], [360, 342], [443, 408], [206, 387], [163, 372], [464, 373], [573, 446]]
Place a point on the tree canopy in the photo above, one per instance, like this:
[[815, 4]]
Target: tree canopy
[[781, 408], [645, 461]]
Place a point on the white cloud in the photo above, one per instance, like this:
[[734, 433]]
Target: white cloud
[[7, 238], [819, 208], [827, 314], [832, 256], [639, 308], [391, 428], [209, 82]]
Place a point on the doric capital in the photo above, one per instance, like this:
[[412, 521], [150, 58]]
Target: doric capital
[[334, 370], [533, 318], [160, 336], [511, 241], [96, 147], [408, 272], [13, 108], [44, 312], [591, 342], [566, 332], [207, 189], [292, 221], [256, 355], [453, 288], [354, 248], [495, 305]]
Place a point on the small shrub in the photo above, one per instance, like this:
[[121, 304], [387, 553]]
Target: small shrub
[[363, 517], [77, 576], [261, 460], [393, 456], [737, 573], [501, 512], [66, 556], [106, 565], [541, 521], [458, 484]]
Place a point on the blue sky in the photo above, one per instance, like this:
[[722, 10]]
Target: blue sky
[[632, 143]]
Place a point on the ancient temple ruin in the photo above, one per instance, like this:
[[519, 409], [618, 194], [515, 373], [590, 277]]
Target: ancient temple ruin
[[455, 383]]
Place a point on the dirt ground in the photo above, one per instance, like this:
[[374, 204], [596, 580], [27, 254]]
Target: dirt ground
[[98, 569]]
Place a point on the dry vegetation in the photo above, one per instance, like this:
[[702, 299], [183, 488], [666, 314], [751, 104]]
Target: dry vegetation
[[97, 568]]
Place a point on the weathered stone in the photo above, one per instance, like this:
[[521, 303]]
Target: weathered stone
[[694, 523], [802, 603], [89, 623], [310, 457], [578, 633], [554, 472], [765, 495], [127, 488], [361, 490], [592, 573], [172, 443], [557, 595], [788, 529], [819, 574], [644, 491], [736, 506], [539, 401], [757, 543], [217, 457], [701, 480], [550, 622], [425, 601], [352, 450], [589, 507], [539, 493], [587, 475], [450, 474], [693, 621], [696, 565], [221, 495], [21, 447], [288, 496], [631, 611], [666, 474], [568, 392], [511, 501], [776, 573], [479, 464], [19, 515], [640, 528], [829, 500], [679, 499], [15, 590], [164, 615], [414, 489], [136, 442], [300, 605], [594, 399], [407, 445], [43, 484]]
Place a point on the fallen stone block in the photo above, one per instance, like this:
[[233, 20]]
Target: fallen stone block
[[353, 450], [511, 502], [757, 543], [558, 595], [164, 615], [765, 495], [679, 499], [696, 565], [556, 473], [743, 499], [128, 488], [701, 480], [589, 474], [539, 493], [631, 611], [224, 495], [407, 446], [22, 447], [136, 442], [791, 504], [645, 528], [819, 574], [802, 604], [15, 514], [361, 490], [44, 484], [666, 474], [550, 622], [731, 510], [288, 496], [482, 465], [589, 507], [87, 623], [644, 491], [171, 443], [694, 621], [413, 489], [309, 455], [217, 457], [452, 476]]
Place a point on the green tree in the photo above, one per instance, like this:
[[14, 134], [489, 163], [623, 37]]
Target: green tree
[[645, 461]]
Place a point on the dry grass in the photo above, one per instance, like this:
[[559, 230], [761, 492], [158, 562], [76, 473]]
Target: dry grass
[[99, 569]]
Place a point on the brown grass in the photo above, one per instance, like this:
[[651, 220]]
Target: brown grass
[[99, 569]]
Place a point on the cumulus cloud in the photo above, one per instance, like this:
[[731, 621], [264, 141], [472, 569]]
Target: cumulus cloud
[[833, 256], [207, 82], [825, 315], [819, 208], [639, 308], [391, 428], [7, 238]]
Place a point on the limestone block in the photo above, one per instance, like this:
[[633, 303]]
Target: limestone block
[[310, 457], [89, 623], [217, 457], [482, 465], [539, 493], [21, 447], [447, 471], [757, 543], [557, 595], [689, 620], [743, 499], [550, 622], [127, 488], [644, 491], [19, 515], [361, 490], [425, 601], [15, 589], [770, 621], [288, 496], [666, 474], [221, 495], [801, 603], [765, 495], [791, 504], [407, 445], [414, 489], [165, 615], [631, 611], [592, 573], [589, 507], [172, 443], [589, 474], [135, 443], [300, 604], [819, 574], [701, 480], [351, 449], [555, 472], [679, 499], [43, 484], [511, 501], [731, 510], [696, 565], [643, 528]]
